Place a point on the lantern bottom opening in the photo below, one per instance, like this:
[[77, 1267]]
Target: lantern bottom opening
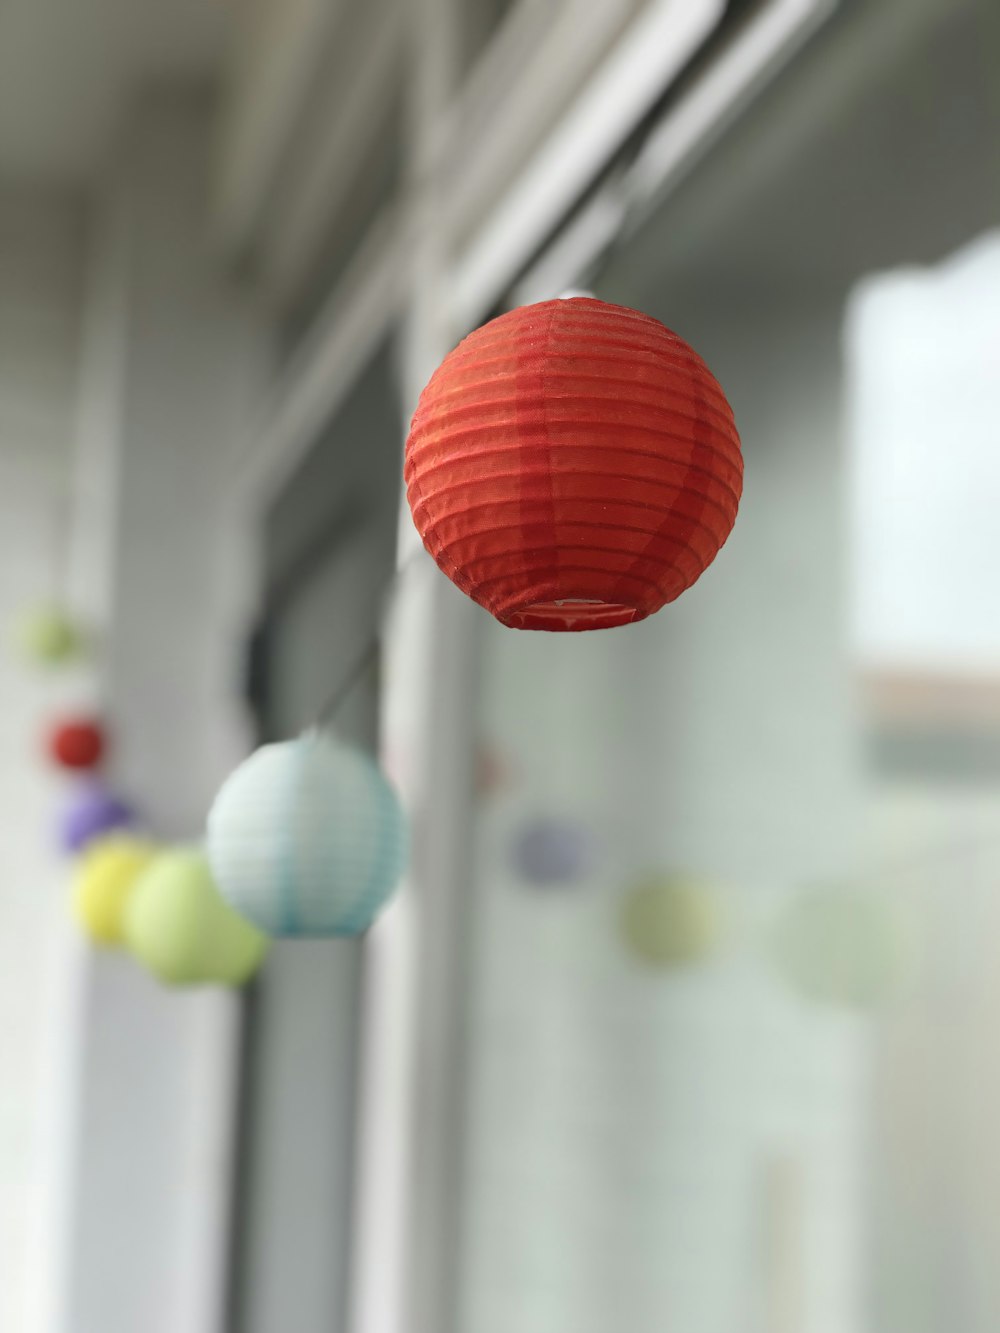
[[569, 614]]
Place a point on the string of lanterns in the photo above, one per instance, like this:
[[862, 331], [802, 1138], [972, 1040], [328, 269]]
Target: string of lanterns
[[571, 466], [846, 946], [158, 903], [321, 860]]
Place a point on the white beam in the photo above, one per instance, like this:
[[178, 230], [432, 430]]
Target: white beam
[[651, 52]]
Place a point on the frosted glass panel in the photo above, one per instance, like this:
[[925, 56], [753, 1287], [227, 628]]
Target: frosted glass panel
[[923, 371]]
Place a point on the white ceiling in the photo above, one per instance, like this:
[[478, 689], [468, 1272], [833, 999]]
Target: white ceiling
[[67, 68]]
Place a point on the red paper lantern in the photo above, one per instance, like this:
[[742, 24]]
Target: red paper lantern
[[77, 744], [573, 465]]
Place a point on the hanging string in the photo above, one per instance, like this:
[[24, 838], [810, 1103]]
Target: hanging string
[[368, 657], [362, 664]]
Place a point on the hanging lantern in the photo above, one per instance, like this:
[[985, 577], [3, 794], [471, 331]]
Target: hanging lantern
[[307, 838], [92, 811], [573, 465], [78, 743], [553, 852], [842, 946], [49, 636], [669, 921], [104, 882], [178, 926]]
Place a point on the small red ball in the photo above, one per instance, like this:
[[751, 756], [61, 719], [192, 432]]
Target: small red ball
[[77, 744]]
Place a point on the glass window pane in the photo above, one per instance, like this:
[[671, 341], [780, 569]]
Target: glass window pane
[[731, 997]]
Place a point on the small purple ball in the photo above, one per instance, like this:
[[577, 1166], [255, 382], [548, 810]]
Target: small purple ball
[[553, 851], [92, 811]]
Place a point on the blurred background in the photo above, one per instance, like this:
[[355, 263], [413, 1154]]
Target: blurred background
[[685, 1017]]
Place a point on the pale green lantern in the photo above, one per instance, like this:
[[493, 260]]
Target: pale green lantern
[[670, 921], [180, 928], [843, 946], [49, 636]]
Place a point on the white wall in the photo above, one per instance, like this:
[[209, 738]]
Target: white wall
[[41, 256]]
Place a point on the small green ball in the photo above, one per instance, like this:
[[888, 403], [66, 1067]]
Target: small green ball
[[180, 928], [47, 635], [841, 946], [670, 921]]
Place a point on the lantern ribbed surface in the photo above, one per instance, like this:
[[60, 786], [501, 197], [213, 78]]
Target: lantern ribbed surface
[[306, 837], [573, 465]]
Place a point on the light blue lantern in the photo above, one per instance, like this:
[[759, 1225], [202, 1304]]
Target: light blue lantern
[[307, 837]]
